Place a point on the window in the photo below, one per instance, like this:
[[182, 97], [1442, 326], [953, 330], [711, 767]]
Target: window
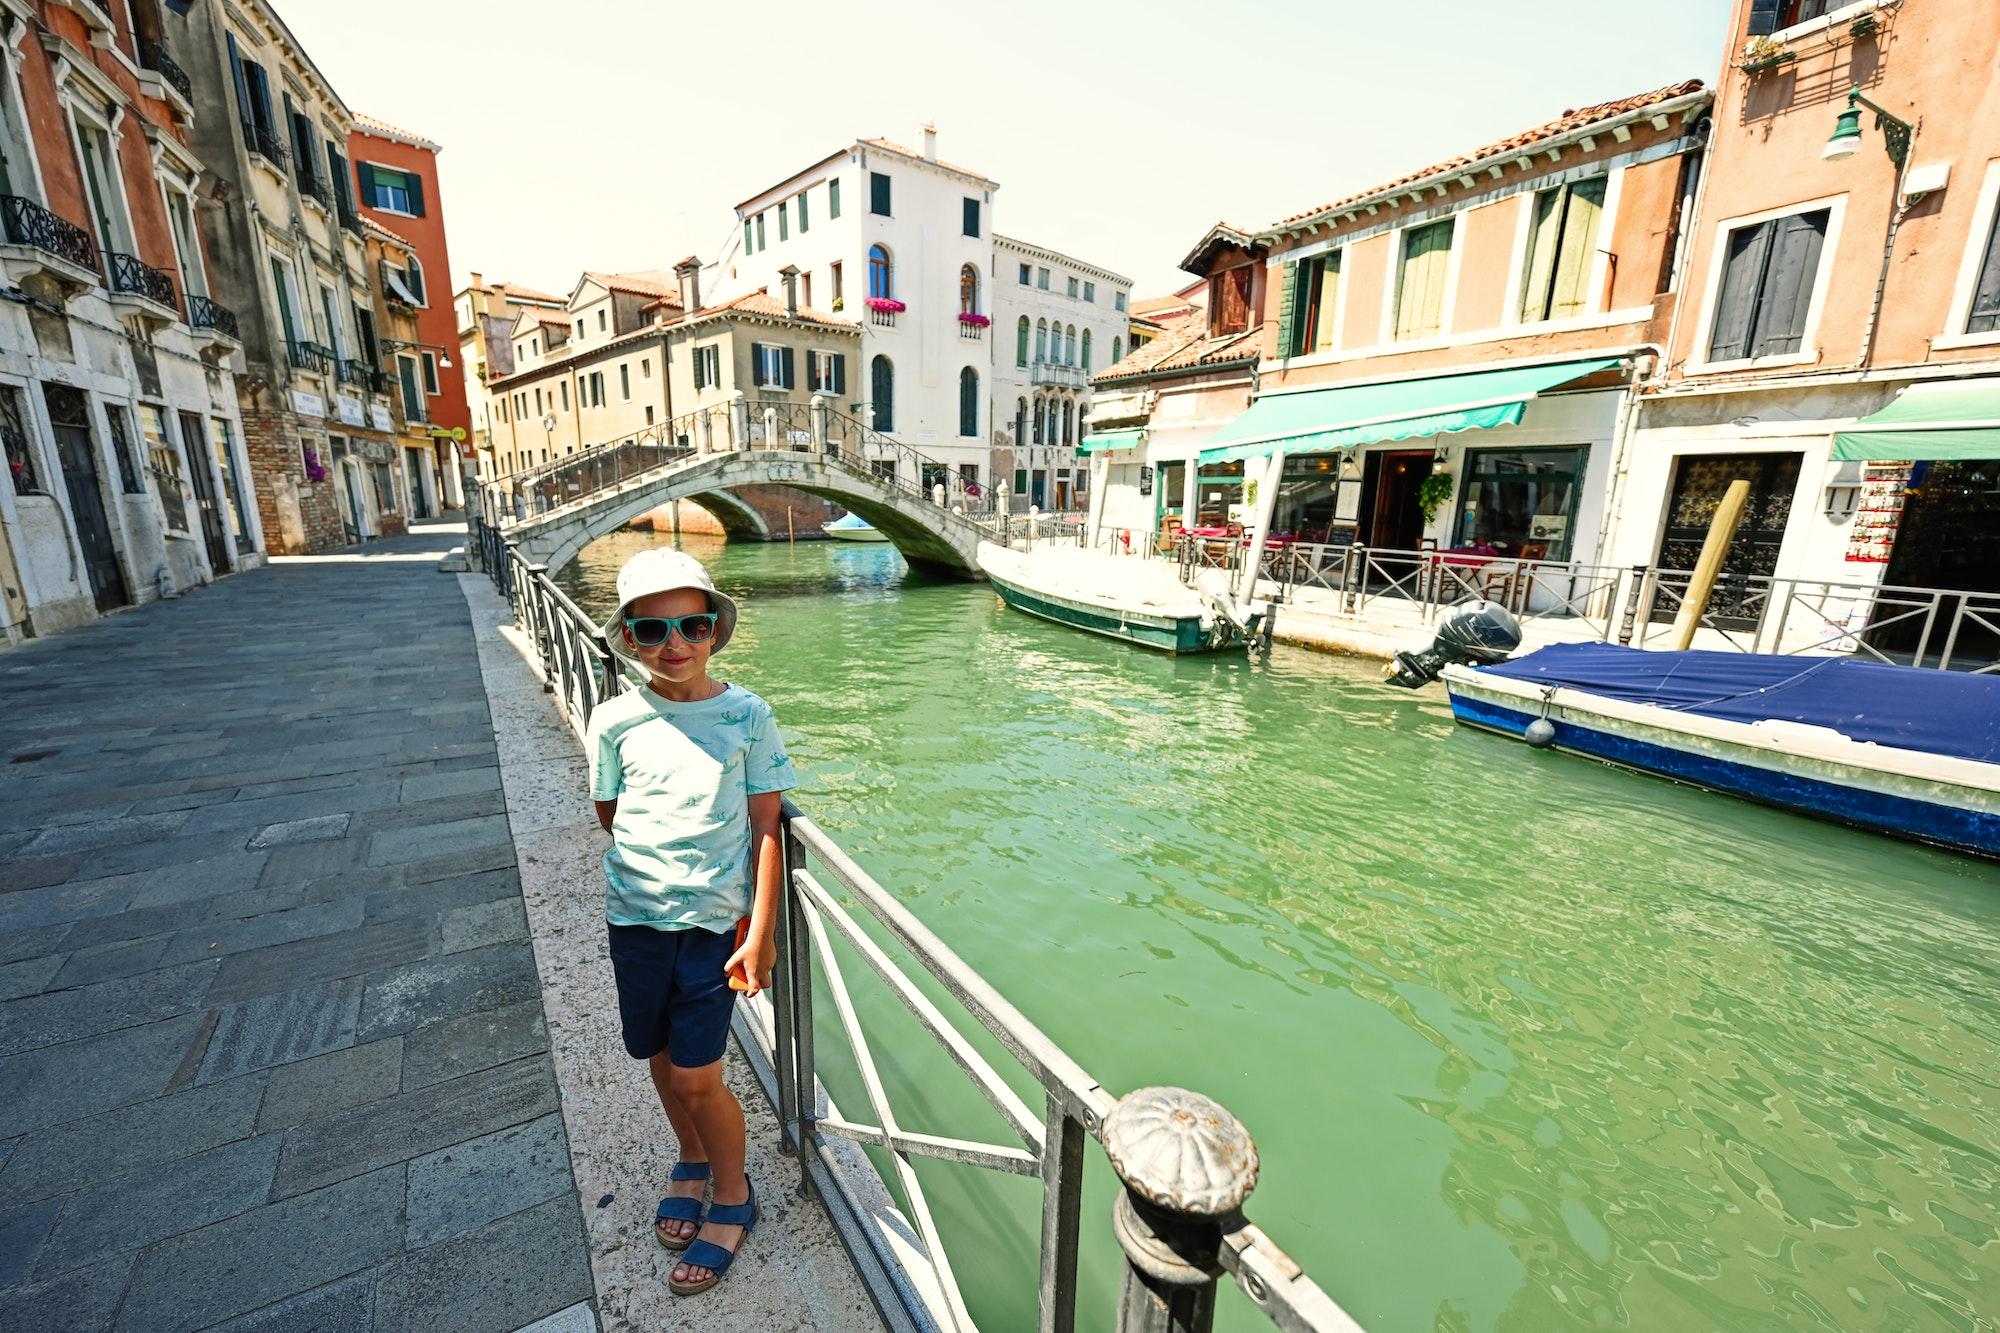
[[336, 170], [1042, 278], [970, 222], [1118, 302], [760, 231], [1090, 292], [431, 374], [385, 485], [305, 150], [1562, 249], [1305, 311], [784, 221], [878, 193], [1020, 481], [772, 364], [391, 190], [1041, 340], [834, 272], [232, 494], [1767, 16], [1069, 346], [1086, 349], [22, 466], [1984, 317], [882, 393], [1072, 288], [413, 278], [1025, 279], [163, 461], [881, 275], [1021, 342], [281, 279], [1116, 342], [645, 367], [749, 238], [1520, 502], [1420, 279], [968, 290], [1020, 431], [1229, 301], [562, 391], [968, 402], [187, 252], [829, 372], [708, 367], [597, 388], [579, 328], [538, 402], [253, 105], [1769, 272], [833, 198], [130, 473], [101, 182], [601, 323], [413, 398], [625, 381], [805, 218]]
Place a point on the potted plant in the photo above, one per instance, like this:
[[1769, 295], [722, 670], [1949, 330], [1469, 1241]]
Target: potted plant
[[888, 304], [977, 321], [1764, 53], [1433, 494]]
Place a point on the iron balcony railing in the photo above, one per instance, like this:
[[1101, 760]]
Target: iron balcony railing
[[206, 314], [266, 144], [309, 355], [314, 186], [28, 223], [154, 57], [135, 276], [1164, 1144], [349, 219], [356, 372]]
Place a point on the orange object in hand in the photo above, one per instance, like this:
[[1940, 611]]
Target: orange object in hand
[[739, 975]]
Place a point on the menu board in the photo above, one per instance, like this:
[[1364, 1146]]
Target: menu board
[[1877, 513]]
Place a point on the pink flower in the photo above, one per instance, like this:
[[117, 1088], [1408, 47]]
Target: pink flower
[[978, 321], [887, 304]]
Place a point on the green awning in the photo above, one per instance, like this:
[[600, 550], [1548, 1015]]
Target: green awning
[[1325, 419], [1949, 419], [1105, 441]]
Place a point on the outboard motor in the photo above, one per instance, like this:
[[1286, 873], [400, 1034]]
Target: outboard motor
[[1472, 633]]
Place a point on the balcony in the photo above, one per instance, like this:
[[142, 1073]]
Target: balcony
[[136, 283], [349, 220], [315, 187], [356, 372], [265, 144], [154, 57], [310, 356], [1057, 374], [51, 244], [206, 314]]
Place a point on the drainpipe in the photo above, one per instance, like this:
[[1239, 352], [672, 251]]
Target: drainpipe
[[1648, 362]]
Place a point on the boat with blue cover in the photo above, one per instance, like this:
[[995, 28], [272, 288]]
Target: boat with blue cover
[[1901, 750]]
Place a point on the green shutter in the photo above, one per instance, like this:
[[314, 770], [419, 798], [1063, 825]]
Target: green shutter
[[1288, 312], [415, 185], [786, 367], [840, 372]]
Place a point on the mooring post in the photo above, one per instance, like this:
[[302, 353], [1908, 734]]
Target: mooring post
[[771, 428], [1633, 593], [1000, 492], [1187, 1165], [818, 424]]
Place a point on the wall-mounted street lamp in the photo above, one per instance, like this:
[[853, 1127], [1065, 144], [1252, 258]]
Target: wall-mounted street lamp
[[1846, 140], [398, 345]]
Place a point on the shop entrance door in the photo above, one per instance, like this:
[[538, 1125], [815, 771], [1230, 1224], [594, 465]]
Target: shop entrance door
[[1948, 536], [69, 418], [1395, 515], [1699, 483], [192, 438]]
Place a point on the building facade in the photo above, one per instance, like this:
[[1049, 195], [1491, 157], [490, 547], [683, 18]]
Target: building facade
[[1055, 320], [118, 360], [486, 314], [397, 186]]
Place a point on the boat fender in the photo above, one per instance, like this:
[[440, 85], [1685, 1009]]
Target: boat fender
[[1541, 734]]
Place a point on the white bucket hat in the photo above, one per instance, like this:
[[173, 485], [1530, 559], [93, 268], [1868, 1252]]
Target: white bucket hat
[[665, 570]]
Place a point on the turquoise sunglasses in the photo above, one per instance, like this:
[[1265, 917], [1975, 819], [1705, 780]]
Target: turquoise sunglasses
[[651, 631]]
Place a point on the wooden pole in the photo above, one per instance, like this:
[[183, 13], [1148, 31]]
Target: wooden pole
[[790, 540], [1721, 531]]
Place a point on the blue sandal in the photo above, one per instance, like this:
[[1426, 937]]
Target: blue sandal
[[674, 1208], [707, 1254]]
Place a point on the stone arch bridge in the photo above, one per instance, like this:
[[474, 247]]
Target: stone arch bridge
[[552, 513]]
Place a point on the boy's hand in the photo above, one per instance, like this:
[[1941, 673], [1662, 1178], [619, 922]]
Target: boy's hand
[[755, 958]]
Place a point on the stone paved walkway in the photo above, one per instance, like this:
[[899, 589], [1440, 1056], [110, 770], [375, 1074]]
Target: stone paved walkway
[[272, 1047]]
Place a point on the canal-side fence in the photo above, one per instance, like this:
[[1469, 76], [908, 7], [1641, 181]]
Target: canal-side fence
[[1186, 1164], [1950, 629]]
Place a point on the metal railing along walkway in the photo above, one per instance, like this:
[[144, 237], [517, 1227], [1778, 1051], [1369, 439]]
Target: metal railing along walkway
[[1186, 1164]]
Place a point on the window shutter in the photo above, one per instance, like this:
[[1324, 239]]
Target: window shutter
[[260, 92], [1763, 17], [840, 372], [1568, 294], [1788, 285], [786, 367], [1743, 267], [415, 185], [242, 85], [1288, 313], [1985, 314]]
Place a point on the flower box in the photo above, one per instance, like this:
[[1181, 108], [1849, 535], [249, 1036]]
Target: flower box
[[886, 304], [977, 321]]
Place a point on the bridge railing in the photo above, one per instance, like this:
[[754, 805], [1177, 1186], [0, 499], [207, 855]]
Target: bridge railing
[[1166, 1145]]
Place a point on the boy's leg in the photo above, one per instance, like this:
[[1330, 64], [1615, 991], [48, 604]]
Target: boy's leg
[[689, 1138], [718, 1118]]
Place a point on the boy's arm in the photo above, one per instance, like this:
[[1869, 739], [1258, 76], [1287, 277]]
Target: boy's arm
[[606, 811], [760, 948]]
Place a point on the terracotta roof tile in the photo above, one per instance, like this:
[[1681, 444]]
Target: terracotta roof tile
[[1573, 119], [517, 292], [760, 304], [640, 282], [382, 129], [890, 146], [370, 224]]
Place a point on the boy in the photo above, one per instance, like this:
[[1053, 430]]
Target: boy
[[687, 774]]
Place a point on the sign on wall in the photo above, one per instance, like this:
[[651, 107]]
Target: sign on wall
[[379, 418], [1879, 512], [308, 404], [1145, 480], [349, 408]]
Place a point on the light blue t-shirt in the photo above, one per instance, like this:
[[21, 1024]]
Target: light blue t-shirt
[[682, 775]]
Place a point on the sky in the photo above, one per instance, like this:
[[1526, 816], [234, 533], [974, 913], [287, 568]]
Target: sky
[[619, 134]]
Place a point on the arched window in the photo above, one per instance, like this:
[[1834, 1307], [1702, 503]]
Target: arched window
[[1069, 423], [1021, 342], [1041, 340], [1086, 349], [1040, 416], [1115, 357], [968, 401], [881, 277], [968, 290], [1069, 346], [1021, 415], [882, 391]]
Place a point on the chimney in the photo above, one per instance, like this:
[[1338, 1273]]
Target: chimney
[[930, 143], [477, 280], [790, 274], [689, 273]]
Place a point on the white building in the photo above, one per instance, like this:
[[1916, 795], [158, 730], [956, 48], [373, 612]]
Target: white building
[[1055, 320]]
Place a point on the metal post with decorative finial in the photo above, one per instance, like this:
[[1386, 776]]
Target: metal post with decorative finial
[[1187, 1165]]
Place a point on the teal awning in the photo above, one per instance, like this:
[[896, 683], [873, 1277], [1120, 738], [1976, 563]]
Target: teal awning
[[1324, 419], [1950, 419], [1105, 441]]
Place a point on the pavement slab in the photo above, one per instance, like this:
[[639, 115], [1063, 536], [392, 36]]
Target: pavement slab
[[206, 893]]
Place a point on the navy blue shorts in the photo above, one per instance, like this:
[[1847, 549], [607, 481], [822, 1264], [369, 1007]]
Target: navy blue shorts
[[673, 994]]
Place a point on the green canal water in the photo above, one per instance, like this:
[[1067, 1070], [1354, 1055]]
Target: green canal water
[[1526, 1043]]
